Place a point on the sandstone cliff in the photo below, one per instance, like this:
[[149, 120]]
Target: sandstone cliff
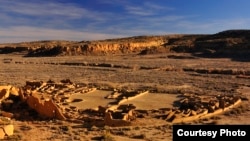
[[222, 44]]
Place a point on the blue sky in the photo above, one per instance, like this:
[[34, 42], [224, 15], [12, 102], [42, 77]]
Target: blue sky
[[31, 20]]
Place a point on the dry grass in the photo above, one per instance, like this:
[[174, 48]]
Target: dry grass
[[130, 77]]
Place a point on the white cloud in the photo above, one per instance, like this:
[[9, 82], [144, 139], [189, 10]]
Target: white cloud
[[24, 33], [49, 20], [140, 11], [48, 9], [151, 5], [146, 9]]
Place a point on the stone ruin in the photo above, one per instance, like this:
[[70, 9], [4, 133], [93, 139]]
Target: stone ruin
[[50, 100], [6, 125], [194, 107], [124, 115]]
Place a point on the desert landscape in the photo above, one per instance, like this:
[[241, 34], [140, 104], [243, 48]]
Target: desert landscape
[[133, 88]]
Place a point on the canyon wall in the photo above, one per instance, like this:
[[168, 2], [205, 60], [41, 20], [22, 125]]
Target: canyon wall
[[226, 43]]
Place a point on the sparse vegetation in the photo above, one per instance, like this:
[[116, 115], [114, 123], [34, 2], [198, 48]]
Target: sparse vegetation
[[25, 127], [65, 128], [157, 69], [215, 117], [239, 110], [15, 137], [107, 136]]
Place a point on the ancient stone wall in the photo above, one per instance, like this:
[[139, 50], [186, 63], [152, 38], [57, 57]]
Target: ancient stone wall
[[45, 108]]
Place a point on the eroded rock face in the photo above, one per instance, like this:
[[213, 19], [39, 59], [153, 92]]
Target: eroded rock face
[[232, 43], [9, 129], [2, 133], [37, 95], [6, 127], [45, 108], [6, 91]]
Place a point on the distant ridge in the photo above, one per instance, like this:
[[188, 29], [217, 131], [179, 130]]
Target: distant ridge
[[228, 43], [235, 32]]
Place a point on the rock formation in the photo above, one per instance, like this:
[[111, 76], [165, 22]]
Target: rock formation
[[45, 107], [110, 121], [50, 100], [231, 43], [6, 127], [123, 116]]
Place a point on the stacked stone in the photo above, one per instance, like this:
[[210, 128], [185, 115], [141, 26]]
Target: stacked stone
[[194, 107], [6, 127]]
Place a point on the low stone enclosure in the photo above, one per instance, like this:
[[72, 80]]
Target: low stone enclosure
[[193, 107], [52, 100]]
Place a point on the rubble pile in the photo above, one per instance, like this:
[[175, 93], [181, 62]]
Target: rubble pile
[[50, 100], [6, 127], [124, 115], [193, 107]]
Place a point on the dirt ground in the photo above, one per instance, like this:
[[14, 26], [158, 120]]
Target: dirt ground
[[161, 73]]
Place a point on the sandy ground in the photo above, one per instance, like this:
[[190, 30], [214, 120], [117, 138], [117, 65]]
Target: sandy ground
[[151, 101], [88, 98], [151, 71]]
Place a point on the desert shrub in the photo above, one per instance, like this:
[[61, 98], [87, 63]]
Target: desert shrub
[[137, 128], [54, 128], [107, 136], [244, 107], [15, 137], [241, 109], [65, 128], [25, 127], [126, 128], [140, 136], [215, 117]]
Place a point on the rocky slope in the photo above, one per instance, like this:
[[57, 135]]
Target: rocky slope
[[230, 43]]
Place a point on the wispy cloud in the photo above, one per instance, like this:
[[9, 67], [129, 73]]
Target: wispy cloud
[[151, 5], [24, 33], [146, 9], [27, 20], [48, 9], [50, 14], [141, 11]]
